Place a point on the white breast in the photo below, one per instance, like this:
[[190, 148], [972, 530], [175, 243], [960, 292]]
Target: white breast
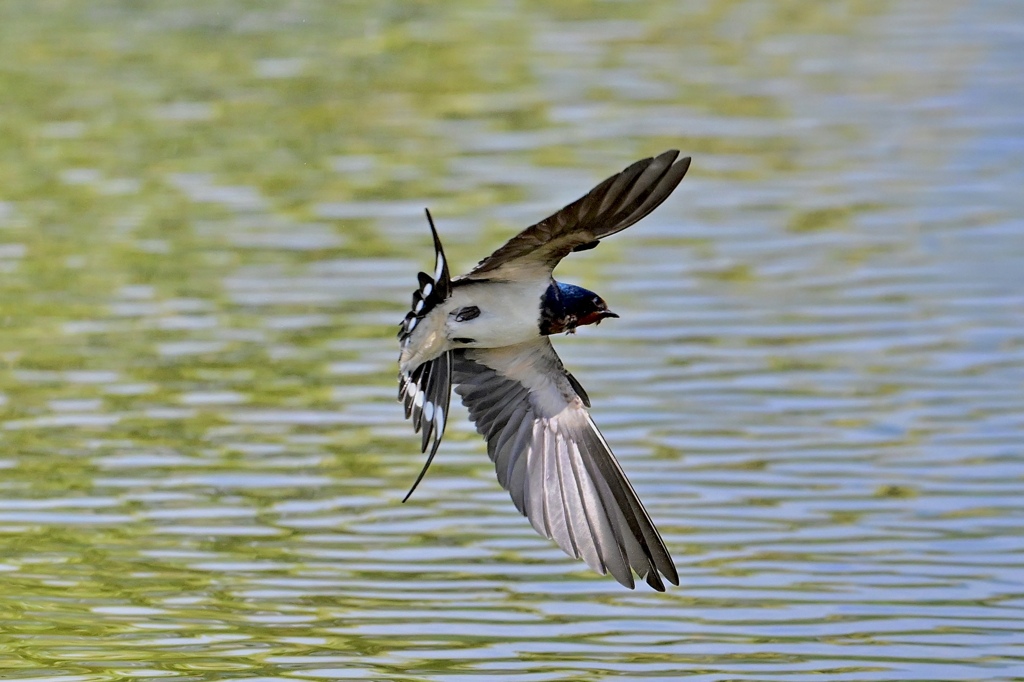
[[509, 312]]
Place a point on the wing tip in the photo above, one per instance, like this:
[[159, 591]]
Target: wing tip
[[654, 577], [675, 166]]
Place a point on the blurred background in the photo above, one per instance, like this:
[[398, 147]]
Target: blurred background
[[210, 226]]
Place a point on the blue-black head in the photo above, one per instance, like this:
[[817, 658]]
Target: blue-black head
[[567, 306]]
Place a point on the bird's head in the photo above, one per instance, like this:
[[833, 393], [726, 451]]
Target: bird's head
[[582, 307]]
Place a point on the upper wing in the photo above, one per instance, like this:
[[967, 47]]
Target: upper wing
[[426, 390], [611, 207], [554, 462]]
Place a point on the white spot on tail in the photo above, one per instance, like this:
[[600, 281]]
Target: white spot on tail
[[419, 306], [412, 325], [419, 399], [428, 410], [427, 288], [439, 420], [439, 268]]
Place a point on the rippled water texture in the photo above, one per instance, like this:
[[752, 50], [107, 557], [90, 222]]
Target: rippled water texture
[[210, 226]]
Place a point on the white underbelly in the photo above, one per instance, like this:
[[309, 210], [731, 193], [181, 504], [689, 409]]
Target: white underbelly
[[509, 313]]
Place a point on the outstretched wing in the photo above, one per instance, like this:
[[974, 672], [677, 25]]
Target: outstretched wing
[[554, 462], [426, 389], [611, 207]]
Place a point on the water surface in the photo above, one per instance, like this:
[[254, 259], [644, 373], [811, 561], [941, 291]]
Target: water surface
[[210, 225]]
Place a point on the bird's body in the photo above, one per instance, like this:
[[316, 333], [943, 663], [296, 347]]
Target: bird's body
[[488, 332], [493, 314], [507, 314]]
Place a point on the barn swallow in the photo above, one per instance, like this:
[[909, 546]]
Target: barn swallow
[[487, 332]]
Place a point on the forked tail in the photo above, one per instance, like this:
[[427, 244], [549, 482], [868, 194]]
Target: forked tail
[[426, 390]]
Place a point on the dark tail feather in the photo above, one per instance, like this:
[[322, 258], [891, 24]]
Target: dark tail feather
[[426, 393], [442, 278], [432, 290], [426, 390]]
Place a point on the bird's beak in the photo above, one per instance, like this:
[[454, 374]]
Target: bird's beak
[[605, 313]]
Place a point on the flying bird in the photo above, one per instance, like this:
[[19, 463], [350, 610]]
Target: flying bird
[[488, 333]]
